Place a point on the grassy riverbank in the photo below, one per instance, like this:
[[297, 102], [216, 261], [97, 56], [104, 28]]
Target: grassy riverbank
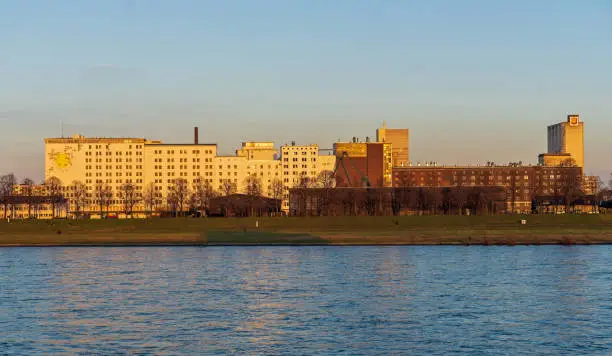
[[408, 230]]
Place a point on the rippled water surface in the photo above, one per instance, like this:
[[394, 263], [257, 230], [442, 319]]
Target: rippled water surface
[[307, 300]]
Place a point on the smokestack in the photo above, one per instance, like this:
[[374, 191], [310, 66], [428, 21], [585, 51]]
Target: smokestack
[[195, 135]]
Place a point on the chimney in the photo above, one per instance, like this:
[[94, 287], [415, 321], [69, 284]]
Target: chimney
[[195, 135]]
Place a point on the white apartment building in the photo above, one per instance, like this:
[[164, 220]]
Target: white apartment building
[[300, 162], [141, 162]]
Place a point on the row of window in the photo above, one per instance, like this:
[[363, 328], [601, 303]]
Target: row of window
[[99, 147], [129, 167], [110, 153], [304, 153], [110, 160], [295, 166], [110, 174], [183, 152], [295, 159], [302, 173]]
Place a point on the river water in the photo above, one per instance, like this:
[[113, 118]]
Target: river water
[[307, 300]]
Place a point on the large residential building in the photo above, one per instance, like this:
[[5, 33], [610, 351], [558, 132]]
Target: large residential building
[[113, 162], [399, 140], [565, 138]]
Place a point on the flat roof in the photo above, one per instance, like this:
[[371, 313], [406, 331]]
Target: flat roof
[[83, 139], [477, 167], [181, 144], [555, 154]]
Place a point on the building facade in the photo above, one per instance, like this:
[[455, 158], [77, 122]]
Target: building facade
[[302, 166], [399, 140], [361, 164], [568, 138], [32, 202], [522, 183], [111, 163]]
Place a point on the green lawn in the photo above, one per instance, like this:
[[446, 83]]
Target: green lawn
[[298, 230]]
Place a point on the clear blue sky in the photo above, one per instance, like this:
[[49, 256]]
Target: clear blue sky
[[473, 80]]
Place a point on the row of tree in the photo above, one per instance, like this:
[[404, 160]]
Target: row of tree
[[181, 197], [396, 201]]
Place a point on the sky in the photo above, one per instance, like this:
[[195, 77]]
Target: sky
[[473, 80]]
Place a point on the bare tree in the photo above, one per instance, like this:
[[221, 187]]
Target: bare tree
[[54, 189], [79, 196], [28, 191], [203, 193], [103, 195], [149, 198], [130, 196], [193, 202], [253, 186], [253, 190], [7, 185], [570, 188], [326, 179], [228, 188], [610, 182], [276, 192], [178, 195], [303, 196], [172, 202]]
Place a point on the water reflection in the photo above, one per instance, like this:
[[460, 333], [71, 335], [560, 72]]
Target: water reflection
[[310, 300]]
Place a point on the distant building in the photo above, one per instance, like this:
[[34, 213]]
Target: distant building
[[362, 164], [399, 140], [567, 138], [522, 183], [32, 202]]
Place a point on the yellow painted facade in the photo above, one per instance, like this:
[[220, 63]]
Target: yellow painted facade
[[568, 137]]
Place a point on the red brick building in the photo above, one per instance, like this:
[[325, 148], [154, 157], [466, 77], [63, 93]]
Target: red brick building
[[522, 183], [363, 164]]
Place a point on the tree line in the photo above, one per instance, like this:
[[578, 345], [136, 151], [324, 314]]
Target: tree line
[[396, 201]]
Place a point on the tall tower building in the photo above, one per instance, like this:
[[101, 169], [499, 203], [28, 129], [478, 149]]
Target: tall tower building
[[568, 138], [399, 140]]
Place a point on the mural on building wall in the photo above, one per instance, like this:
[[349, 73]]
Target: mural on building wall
[[61, 161]]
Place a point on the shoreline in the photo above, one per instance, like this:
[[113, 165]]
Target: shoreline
[[330, 240]]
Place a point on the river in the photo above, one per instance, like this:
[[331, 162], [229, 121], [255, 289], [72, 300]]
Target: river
[[307, 300]]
